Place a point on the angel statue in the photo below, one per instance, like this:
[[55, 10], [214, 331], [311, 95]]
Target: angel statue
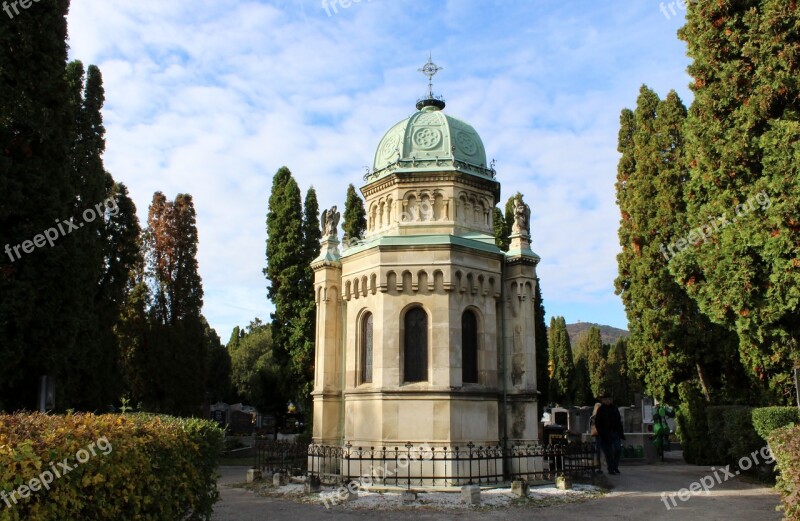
[[522, 218], [329, 222]]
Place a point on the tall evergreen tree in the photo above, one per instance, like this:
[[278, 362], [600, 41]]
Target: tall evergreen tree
[[35, 286], [218, 367], [563, 373], [305, 322], [743, 136], [499, 226], [285, 267], [542, 346], [596, 362], [618, 383], [121, 258], [580, 385], [671, 340], [177, 341], [93, 382], [355, 216]]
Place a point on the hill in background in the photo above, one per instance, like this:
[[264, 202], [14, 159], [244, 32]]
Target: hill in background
[[609, 334]]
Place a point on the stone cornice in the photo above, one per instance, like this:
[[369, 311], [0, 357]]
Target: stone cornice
[[421, 178]]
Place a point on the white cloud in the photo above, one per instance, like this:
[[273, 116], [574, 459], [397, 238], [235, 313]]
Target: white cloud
[[212, 97]]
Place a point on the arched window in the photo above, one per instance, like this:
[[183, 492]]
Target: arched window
[[366, 348], [469, 348], [415, 344]]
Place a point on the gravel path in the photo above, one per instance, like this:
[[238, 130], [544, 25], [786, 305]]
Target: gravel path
[[636, 496]]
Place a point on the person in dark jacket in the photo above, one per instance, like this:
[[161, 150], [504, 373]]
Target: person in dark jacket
[[610, 432]]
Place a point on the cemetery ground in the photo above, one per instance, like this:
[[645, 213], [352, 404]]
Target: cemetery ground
[[635, 494]]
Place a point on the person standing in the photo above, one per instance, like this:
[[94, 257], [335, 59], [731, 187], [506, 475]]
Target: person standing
[[610, 432]]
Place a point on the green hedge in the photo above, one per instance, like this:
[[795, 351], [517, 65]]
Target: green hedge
[[719, 439], [126, 467], [742, 439], [692, 426], [785, 445], [767, 419], [731, 433]]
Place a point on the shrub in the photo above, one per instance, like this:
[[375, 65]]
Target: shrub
[[785, 444], [692, 424], [767, 419], [741, 438], [719, 441], [148, 467]]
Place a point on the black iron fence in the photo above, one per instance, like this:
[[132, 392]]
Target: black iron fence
[[425, 466], [286, 457]]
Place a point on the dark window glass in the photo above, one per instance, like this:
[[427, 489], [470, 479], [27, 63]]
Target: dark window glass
[[469, 348], [416, 346], [366, 348]]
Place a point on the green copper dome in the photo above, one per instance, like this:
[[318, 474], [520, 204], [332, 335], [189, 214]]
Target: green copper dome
[[430, 140]]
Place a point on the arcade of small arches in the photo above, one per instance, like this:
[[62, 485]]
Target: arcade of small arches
[[421, 281], [426, 205]]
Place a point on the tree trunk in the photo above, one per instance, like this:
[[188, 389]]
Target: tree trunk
[[703, 382]]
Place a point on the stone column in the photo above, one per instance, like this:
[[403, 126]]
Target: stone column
[[328, 375], [519, 286]]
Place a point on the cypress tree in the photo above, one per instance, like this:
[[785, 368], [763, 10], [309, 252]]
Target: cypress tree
[[618, 383], [305, 322], [580, 385], [542, 347], [596, 363], [37, 295], [499, 227], [285, 267], [671, 341], [743, 132], [92, 382], [355, 217], [177, 342], [122, 260], [563, 374]]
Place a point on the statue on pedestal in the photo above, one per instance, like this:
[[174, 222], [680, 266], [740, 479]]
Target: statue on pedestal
[[522, 218], [329, 222]]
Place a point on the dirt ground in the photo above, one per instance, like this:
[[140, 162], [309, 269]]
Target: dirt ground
[[636, 495]]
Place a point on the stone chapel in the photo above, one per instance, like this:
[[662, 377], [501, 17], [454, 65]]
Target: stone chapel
[[425, 328]]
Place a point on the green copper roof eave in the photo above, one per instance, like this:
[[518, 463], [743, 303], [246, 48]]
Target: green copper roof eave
[[477, 171], [484, 243]]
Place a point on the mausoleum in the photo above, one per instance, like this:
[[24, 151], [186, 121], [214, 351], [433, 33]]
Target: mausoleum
[[425, 328]]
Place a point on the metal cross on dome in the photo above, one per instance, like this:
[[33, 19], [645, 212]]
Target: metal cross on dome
[[430, 69]]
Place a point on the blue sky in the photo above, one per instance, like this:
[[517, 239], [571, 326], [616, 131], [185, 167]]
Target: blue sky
[[212, 97]]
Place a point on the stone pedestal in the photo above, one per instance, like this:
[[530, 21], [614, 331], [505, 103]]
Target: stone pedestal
[[471, 494], [563, 482], [407, 498], [312, 485], [519, 488], [253, 475]]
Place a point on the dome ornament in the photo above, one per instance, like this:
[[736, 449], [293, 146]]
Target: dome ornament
[[430, 69]]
